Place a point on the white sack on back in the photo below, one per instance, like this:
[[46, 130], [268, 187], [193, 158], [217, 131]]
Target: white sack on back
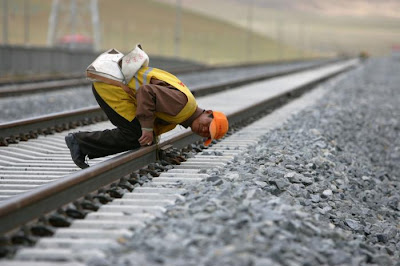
[[132, 62], [106, 67]]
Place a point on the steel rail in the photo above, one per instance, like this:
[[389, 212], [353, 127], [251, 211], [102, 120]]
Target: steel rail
[[29, 128], [42, 86], [4, 81], [31, 205], [37, 78], [205, 90]]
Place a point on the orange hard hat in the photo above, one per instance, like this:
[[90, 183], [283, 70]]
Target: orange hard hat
[[218, 127]]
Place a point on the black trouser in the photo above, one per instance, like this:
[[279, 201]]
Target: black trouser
[[111, 141]]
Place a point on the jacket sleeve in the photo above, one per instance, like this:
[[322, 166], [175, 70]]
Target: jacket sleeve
[[157, 96]]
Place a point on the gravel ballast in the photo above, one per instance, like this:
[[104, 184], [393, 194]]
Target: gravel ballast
[[321, 190]]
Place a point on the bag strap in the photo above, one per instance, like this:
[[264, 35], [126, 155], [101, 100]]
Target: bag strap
[[111, 82]]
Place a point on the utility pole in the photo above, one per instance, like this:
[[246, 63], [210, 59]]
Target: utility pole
[[178, 28], [53, 23], [68, 17], [249, 30], [278, 23], [72, 17], [5, 21], [300, 33], [94, 6], [26, 21], [72, 21]]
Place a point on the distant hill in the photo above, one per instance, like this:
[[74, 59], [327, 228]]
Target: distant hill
[[361, 8], [322, 26]]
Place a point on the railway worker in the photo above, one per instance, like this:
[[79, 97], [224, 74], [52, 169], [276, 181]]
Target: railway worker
[[142, 102]]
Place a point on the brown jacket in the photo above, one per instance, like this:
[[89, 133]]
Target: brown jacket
[[159, 96]]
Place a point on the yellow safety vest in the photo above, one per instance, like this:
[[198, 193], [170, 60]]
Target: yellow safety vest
[[125, 104]]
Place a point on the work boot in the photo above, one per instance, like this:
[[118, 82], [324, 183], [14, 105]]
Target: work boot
[[77, 156]]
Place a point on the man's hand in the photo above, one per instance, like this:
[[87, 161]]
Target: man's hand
[[147, 138]]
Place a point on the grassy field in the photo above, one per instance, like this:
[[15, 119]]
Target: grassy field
[[127, 22]]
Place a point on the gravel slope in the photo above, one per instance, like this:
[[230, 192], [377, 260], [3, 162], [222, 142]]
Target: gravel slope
[[321, 190]]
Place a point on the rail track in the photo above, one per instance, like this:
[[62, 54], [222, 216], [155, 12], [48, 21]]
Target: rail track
[[44, 190], [51, 84], [170, 64], [201, 83], [57, 82]]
